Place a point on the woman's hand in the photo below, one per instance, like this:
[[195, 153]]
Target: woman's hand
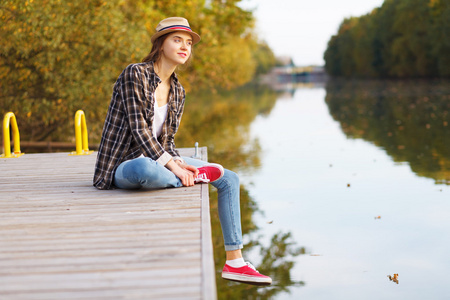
[[185, 172], [187, 167]]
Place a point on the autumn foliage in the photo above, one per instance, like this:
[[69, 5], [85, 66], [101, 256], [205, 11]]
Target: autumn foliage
[[60, 56]]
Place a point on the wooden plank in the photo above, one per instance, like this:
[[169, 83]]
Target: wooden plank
[[60, 238]]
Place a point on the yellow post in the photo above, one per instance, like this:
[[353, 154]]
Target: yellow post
[[81, 135], [10, 118]]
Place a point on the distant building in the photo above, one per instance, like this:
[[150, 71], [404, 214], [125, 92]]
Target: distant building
[[288, 74], [285, 61]]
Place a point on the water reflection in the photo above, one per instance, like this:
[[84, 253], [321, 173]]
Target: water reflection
[[276, 258], [222, 123], [359, 214], [409, 119]]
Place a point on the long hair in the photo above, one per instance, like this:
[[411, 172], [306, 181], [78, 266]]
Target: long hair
[[155, 53]]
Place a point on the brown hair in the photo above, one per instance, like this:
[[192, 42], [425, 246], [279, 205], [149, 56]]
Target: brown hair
[[155, 53]]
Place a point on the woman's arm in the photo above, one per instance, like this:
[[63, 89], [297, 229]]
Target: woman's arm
[[185, 172]]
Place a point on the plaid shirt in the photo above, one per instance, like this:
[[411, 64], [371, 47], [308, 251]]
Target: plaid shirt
[[128, 129]]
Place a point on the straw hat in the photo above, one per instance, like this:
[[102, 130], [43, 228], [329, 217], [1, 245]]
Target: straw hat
[[174, 24]]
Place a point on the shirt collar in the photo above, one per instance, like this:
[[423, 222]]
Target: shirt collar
[[151, 69]]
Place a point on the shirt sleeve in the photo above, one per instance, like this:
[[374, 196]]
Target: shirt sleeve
[[134, 106]]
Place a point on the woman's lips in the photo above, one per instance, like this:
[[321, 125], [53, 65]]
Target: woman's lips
[[182, 54]]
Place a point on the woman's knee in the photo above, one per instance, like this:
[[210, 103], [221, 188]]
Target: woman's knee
[[232, 177], [229, 180]]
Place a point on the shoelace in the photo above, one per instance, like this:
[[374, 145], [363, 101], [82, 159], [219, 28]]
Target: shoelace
[[251, 266], [202, 177]]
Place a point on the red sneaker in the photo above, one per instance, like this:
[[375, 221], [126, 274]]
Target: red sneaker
[[245, 274], [209, 173]]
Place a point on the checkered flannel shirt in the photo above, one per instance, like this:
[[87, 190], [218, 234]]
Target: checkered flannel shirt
[[128, 132]]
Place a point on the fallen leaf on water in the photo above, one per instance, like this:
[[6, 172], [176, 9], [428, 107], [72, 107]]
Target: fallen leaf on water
[[270, 222], [393, 278]]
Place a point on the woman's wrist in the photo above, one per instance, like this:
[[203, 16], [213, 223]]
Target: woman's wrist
[[179, 160], [172, 165]]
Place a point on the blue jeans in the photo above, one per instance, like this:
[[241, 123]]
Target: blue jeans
[[143, 172]]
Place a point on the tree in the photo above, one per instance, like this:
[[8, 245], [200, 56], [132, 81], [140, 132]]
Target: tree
[[402, 38], [440, 31], [264, 58], [57, 57], [411, 49]]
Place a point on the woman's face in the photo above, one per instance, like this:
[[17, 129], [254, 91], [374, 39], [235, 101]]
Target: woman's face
[[176, 48]]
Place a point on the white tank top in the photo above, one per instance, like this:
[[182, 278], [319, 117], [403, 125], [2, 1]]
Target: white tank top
[[159, 119]]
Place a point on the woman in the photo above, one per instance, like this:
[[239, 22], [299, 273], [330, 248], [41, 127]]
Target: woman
[[137, 149]]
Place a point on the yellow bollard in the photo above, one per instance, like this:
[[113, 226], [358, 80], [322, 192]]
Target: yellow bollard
[[10, 118], [81, 135]]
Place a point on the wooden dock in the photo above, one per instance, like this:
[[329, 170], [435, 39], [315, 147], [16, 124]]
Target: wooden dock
[[61, 238]]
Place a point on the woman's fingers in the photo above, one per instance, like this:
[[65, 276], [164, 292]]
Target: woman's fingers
[[187, 179], [193, 169], [185, 173]]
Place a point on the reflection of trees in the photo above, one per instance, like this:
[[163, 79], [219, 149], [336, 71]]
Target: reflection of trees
[[276, 258], [409, 119], [221, 122]]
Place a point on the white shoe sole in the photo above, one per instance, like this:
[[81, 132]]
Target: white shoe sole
[[246, 279]]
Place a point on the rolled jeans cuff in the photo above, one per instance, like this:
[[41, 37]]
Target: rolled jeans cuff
[[233, 247]]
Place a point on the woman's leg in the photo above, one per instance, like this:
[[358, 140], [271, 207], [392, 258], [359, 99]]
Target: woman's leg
[[235, 268], [228, 206], [143, 172]]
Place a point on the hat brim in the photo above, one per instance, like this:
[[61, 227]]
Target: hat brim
[[195, 37]]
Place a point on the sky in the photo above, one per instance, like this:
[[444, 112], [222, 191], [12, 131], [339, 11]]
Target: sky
[[301, 29]]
